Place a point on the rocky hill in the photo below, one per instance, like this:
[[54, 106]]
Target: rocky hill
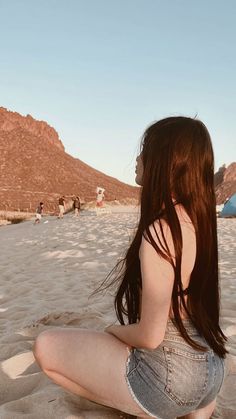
[[11, 121], [225, 182], [34, 166]]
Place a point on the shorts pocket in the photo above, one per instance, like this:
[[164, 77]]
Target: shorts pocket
[[187, 374], [132, 362]]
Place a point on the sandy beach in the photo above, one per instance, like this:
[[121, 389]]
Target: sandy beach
[[48, 272]]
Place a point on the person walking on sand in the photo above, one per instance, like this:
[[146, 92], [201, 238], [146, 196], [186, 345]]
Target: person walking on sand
[[38, 213], [100, 197], [76, 206], [168, 361], [61, 203]]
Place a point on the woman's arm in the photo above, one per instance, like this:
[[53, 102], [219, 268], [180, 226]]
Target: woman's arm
[[157, 284]]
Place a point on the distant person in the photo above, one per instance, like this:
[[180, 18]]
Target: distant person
[[100, 197], [38, 213], [166, 357], [77, 206], [61, 203]]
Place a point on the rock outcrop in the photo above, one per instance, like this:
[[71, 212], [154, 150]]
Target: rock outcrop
[[12, 121], [225, 182]]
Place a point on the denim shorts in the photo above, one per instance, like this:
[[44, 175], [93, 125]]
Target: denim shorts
[[174, 379]]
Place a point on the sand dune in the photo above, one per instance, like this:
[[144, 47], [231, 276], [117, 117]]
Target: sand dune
[[48, 273]]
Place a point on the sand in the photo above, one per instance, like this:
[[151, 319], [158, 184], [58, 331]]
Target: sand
[[48, 272]]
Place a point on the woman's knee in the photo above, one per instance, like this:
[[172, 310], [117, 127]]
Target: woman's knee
[[43, 348]]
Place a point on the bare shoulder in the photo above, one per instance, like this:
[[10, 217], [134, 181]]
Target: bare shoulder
[[152, 260], [161, 234]]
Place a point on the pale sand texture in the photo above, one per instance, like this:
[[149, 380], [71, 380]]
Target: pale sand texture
[[48, 272]]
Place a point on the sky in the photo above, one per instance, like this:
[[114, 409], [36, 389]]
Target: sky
[[100, 71]]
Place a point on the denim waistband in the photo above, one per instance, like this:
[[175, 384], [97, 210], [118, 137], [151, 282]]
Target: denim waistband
[[172, 329]]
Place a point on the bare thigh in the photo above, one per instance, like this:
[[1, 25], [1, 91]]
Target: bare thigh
[[89, 363]]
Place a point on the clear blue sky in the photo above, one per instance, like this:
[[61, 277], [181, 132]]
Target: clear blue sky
[[99, 71]]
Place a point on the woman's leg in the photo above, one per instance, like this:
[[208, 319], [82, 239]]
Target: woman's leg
[[88, 363], [204, 413]]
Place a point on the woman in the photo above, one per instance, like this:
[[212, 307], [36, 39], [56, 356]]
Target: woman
[[168, 361], [76, 206]]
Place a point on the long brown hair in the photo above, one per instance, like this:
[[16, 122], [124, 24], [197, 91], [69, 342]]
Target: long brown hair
[[178, 163]]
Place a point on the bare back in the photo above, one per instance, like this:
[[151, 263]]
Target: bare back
[[188, 251]]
